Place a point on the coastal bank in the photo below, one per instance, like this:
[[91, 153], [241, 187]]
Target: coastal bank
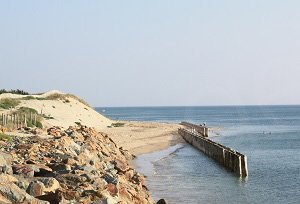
[[76, 155]]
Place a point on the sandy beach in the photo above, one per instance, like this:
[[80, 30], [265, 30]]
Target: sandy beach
[[145, 137]]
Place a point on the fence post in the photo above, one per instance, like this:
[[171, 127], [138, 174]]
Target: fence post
[[25, 121], [35, 119]]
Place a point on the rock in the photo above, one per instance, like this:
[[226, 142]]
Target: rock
[[7, 169], [4, 200], [51, 184], [120, 166], [24, 170], [53, 198], [71, 179], [36, 188], [23, 184], [77, 165], [5, 159], [110, 179], [112, 189], [129, 174], [99, 183], [14, 194], [161, 201], [7, 178]]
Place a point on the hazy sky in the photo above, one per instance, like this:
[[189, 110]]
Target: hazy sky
[[155, 52]]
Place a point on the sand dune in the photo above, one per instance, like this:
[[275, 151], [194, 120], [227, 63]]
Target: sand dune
[[65, 112]]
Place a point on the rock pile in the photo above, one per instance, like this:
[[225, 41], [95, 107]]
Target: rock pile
[[75, 165]]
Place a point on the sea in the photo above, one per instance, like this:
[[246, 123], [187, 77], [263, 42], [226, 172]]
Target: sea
[[268, 135]]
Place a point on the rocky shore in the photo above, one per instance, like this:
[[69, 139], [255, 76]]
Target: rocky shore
[[73, 165]]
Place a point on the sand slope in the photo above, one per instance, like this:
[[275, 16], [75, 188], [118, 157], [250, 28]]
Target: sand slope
[[65, 114]]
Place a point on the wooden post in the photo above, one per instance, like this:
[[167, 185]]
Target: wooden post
[[25, 121], [18, 121], [14, 121], [35, 119]]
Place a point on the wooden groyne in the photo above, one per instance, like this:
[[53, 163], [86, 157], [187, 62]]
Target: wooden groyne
[[201, 129], [226, 156]]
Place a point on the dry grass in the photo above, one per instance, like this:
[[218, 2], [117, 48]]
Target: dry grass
[[7, 103], [64, 97]]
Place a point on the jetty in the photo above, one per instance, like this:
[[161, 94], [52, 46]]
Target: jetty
[[201, 129], [229, 158]]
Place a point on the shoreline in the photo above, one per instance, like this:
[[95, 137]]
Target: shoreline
[[140, 137]]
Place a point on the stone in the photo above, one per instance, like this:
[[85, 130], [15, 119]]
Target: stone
[[112, 189], [53, 198], [120, 166], [36, 188], [110, 179], [77, 165], [161, 201], [51, 184], [7, 178], [99, 183], [14, 194], [7, 169], [24, 170], [70, 179]]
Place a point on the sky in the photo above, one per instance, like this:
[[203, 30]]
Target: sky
[[154, 53]]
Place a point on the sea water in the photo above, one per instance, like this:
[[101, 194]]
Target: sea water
[[268, 135]]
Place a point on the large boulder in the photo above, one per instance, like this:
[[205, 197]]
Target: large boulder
[[12, 193]]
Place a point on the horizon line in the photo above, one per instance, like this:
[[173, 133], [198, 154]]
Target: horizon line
[[175, 106]]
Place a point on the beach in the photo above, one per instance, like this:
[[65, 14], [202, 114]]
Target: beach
[[60, 137], [145, 137]]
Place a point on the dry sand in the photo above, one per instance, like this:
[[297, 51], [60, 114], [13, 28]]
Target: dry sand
[[145, 137], [64, 113]]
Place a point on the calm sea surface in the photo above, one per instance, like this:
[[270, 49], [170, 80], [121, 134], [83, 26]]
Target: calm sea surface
[[268, 135]]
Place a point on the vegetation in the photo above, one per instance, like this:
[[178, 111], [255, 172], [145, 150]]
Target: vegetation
[[26, 110], [39, 124], [4, 137], [33, 98], [117, 124], [47, 117], [64, 97], [17, 91], [7, 103], [78, 123]]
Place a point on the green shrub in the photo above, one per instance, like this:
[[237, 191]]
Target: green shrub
[[117, 124], [7, 103], [29, 124], [28, 98], [78, 123], [33, 98], [56, 96], [39, 125], [26, 110], [47, 117], [4, 137]]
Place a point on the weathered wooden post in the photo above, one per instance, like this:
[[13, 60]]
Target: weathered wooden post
[[5, 120], [35, 119], [25, 121]]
